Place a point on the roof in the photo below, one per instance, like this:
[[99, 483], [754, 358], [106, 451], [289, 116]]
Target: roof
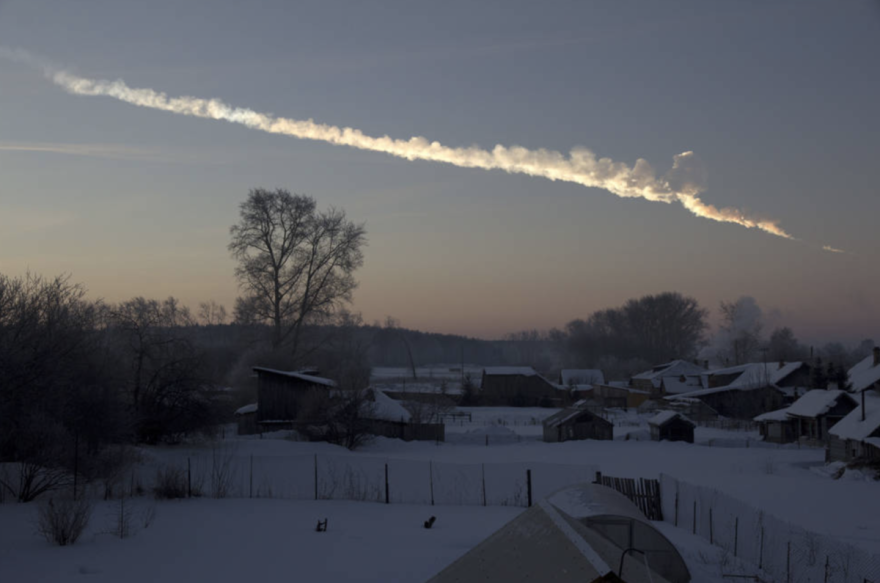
[[568, 414], [676, 385], [252, 408], [673, 368], [581, 376], [852, 426], [297, 375], [864, 375], [525, 371], [817, 402], [664, 417], [757, 374], [381, 407], [778, 415]]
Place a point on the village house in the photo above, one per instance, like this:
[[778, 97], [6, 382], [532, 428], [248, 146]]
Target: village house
[[858, 434], [817, 411], [671, 426], [575, 423], [652, 380], [777, 426], [748, 390], [520, 386]]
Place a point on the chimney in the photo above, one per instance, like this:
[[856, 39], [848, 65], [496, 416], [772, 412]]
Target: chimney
[[781, 364], [877, 356]]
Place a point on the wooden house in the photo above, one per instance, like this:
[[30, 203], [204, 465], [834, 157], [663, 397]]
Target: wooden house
[[777, 426], [817, 411], [288, 398], [652, 380], [671, 426], [857, 436], [577, 423], [520, 386]]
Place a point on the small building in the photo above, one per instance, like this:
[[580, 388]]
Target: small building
[[817, 411], [777, 426], [287, 398], [246, 419], [671, 426], [858, 434], [576, 423], [520, 386]]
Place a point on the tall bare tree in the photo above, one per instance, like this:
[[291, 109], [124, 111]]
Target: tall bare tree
[[295, 264]]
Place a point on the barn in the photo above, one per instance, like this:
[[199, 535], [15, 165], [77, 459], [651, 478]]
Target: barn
[[585, 533], [576, 423], [671, 426], [285, 398], [520, 386]]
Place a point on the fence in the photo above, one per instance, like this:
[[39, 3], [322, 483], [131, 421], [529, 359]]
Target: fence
[[393, 481], [786, 552], [643, 493]]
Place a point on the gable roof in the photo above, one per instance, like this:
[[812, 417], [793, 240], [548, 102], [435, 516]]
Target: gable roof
[[757, 374], [569, 414], [852, 426], [664, 417], [581, 376], [297, 375], [674, 385], [778, 415], [864, 374], [818, 402], [673, 368]]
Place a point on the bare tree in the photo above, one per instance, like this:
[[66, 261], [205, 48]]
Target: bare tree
[[739, 337], [295, 264], [211, 313]]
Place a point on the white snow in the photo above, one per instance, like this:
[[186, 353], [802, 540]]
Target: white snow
[[382, 407], [303, 377], [864, 375], [817, 402], [852, 426], [252, 408], [778, 415], [673, 368], [664, 417], [757, 375]]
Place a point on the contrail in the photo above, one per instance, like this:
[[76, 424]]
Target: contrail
[[580, 166]]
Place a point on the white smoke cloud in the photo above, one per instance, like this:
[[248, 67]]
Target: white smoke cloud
[[682, 184], [831, 249]]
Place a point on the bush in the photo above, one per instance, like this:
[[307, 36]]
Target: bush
[[171, 483], [62, 520]]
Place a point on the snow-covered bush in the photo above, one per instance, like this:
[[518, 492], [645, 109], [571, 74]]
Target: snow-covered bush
[[171, 483], [62, 520]]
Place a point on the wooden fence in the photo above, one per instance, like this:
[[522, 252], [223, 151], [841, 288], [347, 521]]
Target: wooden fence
[[645, 494]]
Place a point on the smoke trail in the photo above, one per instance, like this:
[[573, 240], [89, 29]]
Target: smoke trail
[[581, 166], [831, 249]]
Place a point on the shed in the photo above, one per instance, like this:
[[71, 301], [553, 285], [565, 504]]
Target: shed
[[576, 423], [284, 398], [817, 411], [777, 427], [671, 426], [576, 535]]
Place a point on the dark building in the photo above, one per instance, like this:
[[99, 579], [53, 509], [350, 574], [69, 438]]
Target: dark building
[[520, 386], [575, 423], [671, 426]]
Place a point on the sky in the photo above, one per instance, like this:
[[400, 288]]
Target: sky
[[776, 99]]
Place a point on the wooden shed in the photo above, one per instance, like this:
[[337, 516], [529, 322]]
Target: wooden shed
[[576, 423], [671, 426], [283, 398]]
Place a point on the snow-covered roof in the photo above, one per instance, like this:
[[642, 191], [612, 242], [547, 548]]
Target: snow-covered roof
[[852, 426], [252, 408], [581, 376], [381, 407], [525, 371], [664, 417], [817, 402], [778, 415], [864, 375], [566, 415], [298, 375], [674, 368], [757, 374], [676, 385]]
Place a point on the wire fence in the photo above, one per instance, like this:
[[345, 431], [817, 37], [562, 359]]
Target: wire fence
[[224, 474], [787, 552]]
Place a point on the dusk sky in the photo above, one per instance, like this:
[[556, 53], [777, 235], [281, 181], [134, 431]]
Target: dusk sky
[[777, 100]]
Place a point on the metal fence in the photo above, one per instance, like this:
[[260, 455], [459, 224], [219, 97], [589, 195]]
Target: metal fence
[[786, 552]]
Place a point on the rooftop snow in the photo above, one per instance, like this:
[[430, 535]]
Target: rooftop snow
[[817, 402], [864, 375], [778, 415], [384, 408], [581, 376], [675, 386], [852, 426], [674, 368], [525, 371], [664, 417], [756, 375], [252, 408], [298, 375]]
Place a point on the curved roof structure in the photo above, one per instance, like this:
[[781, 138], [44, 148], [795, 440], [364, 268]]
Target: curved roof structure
[[578, 534]]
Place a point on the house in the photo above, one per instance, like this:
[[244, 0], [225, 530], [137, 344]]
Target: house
[[817, 411], [520, 386], [858, 434], [652, 380], [777, 426], [671, 426], [575, 423], [288, 398], [748, 390], [866, 374]]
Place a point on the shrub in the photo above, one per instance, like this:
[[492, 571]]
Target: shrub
[[62, 520], [171, 483]]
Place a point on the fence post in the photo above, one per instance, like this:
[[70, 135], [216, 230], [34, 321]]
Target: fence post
[[598, 478], [695, 517], [189, 483], [826, 568], [316, 476], [431, 477], [387, 497], [483, 471], [487, 441], [736, 536], [676, 504], [251, 485], [711, 532], [788, 563], [529, 485], [761, 552]]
